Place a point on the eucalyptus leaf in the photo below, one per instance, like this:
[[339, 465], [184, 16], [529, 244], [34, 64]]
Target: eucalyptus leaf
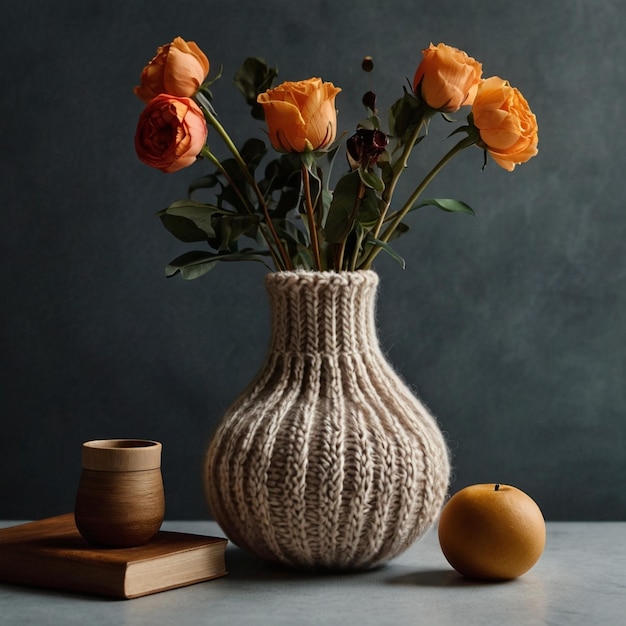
[[183, 229], [405, 114], [345, 210], [282, 173], [233, 171], [297, 243], [252, 78], [371, 123], [327, 198], [204, 182], [308, 159], [371, 180], [368, 213], [446, 204], [370, 239], [290, 233], [386, 170], [332, 153], [189, 220], [191, 264], [229, 228], [253, 152], [196, 263], [235, 187], [401, 229], [288, 201]]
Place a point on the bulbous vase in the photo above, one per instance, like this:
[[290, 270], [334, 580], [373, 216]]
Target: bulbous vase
[[327, 461]]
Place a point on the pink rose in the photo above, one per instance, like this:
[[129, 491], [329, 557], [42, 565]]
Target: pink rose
[[171, 133]]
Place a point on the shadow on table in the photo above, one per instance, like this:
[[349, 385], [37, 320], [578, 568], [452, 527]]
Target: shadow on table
[[439, 578], [245, 566]]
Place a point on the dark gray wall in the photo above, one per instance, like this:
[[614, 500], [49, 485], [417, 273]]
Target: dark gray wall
[[509, 324]]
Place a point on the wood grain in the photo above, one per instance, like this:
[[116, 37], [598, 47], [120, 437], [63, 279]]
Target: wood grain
[[51, 553]]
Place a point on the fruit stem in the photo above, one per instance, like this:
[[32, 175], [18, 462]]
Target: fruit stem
[[497, 487]]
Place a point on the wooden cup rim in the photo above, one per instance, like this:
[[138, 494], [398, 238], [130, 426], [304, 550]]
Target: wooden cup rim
[[121, 455]]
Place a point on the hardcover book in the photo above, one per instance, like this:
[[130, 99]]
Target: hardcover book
[[51, 553]]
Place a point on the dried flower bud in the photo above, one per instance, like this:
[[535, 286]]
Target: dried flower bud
[[367, 65], [365, 146], [369, 101]]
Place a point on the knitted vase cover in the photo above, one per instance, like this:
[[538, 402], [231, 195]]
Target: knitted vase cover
[[327, 460]]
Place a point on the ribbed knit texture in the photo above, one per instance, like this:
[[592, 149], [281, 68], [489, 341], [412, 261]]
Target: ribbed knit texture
[[327, 460]]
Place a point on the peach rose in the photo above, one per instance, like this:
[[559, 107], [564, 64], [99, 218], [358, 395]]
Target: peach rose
[[171, 133], [508, 128], [447, 78], [300, 115], [178, 69]]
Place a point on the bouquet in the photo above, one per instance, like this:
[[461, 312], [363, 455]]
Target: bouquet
[[281, 209]]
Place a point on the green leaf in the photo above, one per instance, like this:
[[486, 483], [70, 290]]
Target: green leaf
[[370, 239], [204, 182], [371, 123], [189, 220], [196, 263], [446, 204], [229, 194], [282, 172], [253, 152], [386, 170], [368, 212], [205, 86], [308, 159], [327, 198], [405, 114], [296, 243], [229, 228], [252, 78], [371, 180], [288, 200], [191, 265], [342, 214], [400, 230], [332, 153]]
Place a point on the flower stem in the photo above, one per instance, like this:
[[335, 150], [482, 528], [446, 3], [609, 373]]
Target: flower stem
[[398, 168], [209, 114], [408, 205], [341, 247], [207, 154], [310, 211]]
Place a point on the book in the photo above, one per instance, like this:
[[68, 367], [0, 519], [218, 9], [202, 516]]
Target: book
[[51, 553]]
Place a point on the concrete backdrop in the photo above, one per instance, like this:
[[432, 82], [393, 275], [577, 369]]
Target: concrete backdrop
[[510, 325]]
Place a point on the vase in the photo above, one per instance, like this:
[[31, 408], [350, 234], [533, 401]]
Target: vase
[[120, 501], [327, 461]]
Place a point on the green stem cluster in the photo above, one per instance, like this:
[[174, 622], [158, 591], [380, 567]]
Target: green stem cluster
[[396, 218], [310, 212], [398, 168], [387, 222], [340, 248], [277, 249]]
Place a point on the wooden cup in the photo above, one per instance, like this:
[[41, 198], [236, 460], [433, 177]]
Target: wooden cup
[[120, 500]]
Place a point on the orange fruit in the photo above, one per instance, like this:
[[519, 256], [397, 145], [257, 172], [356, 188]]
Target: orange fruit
[[491, 532]]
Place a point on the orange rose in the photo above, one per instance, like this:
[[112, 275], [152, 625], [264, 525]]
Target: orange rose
[[508, 128], [178, 69], [301, 115], [171, 133], [447, 78]]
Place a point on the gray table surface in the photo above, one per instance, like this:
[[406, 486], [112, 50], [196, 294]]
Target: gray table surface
[[580, 579]]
